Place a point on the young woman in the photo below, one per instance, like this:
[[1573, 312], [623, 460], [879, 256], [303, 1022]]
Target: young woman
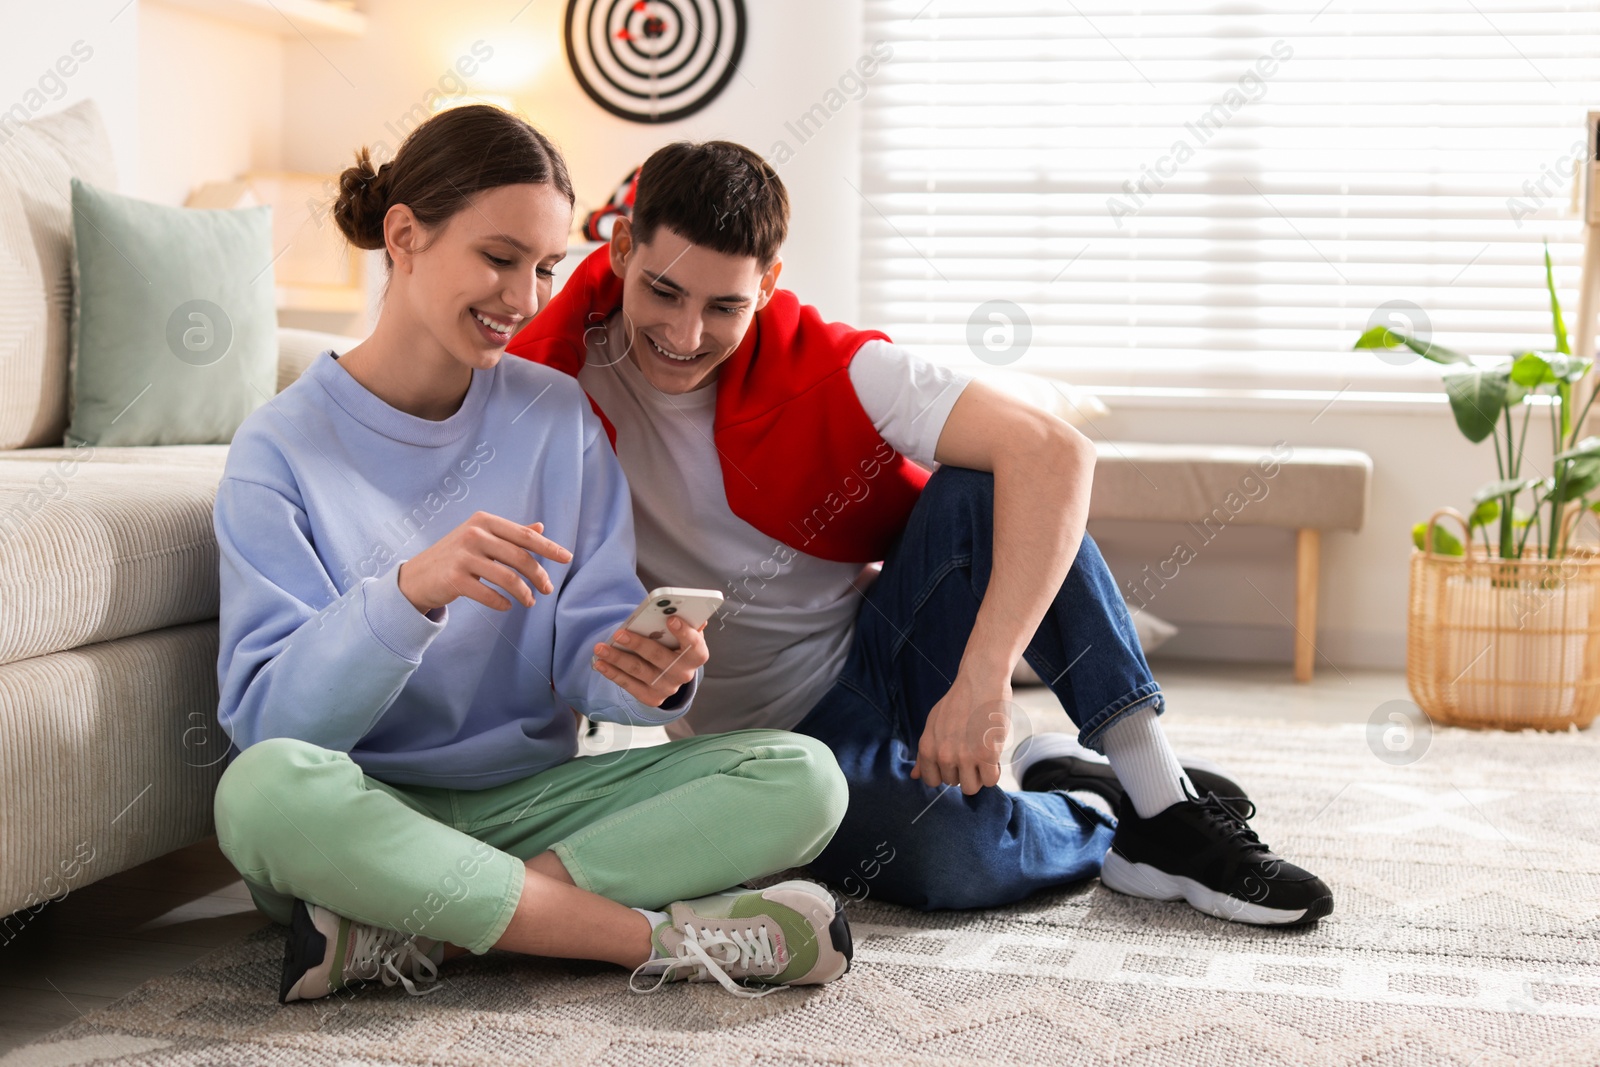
[[408, 786]]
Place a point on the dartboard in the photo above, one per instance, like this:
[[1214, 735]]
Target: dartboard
[[654, 60]]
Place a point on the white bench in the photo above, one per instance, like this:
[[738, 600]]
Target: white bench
[[1213, 486]]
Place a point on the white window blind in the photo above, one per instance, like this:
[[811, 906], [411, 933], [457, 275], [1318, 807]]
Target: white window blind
[[1197, 193]]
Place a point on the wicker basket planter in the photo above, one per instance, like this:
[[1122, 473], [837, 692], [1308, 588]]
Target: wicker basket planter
[[1504, 643], [1506, 635]]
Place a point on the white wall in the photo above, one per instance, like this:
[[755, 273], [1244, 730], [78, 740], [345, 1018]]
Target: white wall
[[210, 101], [186, 98], [343, 93], [35, 37]]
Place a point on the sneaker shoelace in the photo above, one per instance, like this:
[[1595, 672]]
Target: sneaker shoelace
[[381, 954], [1234, 819], [710, 951]]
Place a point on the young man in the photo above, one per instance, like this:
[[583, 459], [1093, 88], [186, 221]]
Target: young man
[[771, 455]]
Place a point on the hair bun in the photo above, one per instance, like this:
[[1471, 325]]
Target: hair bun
[[363, 201], [439, 167]]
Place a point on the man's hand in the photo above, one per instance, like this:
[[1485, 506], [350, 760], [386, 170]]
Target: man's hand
[[650, 671], [965, 734]]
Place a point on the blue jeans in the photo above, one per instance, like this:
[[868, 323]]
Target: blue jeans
[[907, 843]]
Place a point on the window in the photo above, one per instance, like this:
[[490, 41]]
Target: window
[[1225, 193]]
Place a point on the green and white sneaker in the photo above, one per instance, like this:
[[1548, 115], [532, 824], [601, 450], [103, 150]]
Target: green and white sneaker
[[751, 940], [327, 952]]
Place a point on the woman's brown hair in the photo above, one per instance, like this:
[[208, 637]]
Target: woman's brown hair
[[440, 165]]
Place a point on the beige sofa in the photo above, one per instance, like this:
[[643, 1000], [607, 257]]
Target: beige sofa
[[109, 743]]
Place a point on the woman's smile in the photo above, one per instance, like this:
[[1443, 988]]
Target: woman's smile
[[494, 329]]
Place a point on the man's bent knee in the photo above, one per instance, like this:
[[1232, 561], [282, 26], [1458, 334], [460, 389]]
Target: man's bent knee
[[961, 483]]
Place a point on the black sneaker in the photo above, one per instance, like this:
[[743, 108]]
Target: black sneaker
[[1204, 851], [1058, 762]]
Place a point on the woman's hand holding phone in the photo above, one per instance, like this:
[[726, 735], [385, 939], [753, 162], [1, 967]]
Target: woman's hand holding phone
[[649, 670], [484, 547]]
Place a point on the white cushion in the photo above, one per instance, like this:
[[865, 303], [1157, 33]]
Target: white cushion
[[37, 163], [297, 348], [101, 543]]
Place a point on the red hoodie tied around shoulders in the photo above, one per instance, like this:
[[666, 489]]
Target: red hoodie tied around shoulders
[[807, 467]]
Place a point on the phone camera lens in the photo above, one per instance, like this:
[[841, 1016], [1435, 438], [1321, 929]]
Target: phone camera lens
[[670, 611], [663, 603]]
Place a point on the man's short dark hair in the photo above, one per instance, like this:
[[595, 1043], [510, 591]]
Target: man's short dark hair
[[716, 194]]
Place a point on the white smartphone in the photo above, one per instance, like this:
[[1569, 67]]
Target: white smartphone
[[694, 606]]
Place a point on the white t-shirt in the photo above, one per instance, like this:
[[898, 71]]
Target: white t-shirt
[[782, 635]]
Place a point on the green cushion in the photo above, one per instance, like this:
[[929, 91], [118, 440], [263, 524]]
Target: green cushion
[[174, 321]]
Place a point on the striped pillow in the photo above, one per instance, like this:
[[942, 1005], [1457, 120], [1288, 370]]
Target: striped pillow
[[38, 160]]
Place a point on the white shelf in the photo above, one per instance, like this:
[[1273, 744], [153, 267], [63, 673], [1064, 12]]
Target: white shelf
[[286, 18]]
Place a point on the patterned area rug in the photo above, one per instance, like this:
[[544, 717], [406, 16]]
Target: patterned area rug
[[1465, 933]]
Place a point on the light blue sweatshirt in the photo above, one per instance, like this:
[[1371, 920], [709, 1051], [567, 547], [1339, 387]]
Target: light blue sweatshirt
[[328, 489]]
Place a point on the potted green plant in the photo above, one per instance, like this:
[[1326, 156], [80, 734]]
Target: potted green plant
[[1502, 629]]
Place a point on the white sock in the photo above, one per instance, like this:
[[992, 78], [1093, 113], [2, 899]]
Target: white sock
[[1145, 763], [655, 919]]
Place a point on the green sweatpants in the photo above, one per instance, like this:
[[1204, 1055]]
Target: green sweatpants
[[643, 827]]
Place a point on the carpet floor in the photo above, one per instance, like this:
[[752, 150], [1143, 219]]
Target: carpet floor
[[1466, 932]]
